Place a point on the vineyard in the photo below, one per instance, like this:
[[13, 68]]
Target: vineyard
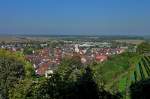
[[142, 70], [138, 71]]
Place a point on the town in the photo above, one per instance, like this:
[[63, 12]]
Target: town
[[74, 49], [45, 56]]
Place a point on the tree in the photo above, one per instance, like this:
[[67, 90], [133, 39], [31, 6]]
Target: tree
[[140, 89], [87, 87], [28, 51], [21, 90], [11, 71], [143, 48], [58, 86], [71, 80]]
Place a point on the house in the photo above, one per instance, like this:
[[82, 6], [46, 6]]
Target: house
[[101, 58]]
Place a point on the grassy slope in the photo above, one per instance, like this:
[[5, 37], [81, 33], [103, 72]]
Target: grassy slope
[[114, 70]]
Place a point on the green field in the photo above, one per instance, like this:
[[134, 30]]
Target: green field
[[120, 71]]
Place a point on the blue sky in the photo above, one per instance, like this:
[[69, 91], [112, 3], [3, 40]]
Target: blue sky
[[89, 17]]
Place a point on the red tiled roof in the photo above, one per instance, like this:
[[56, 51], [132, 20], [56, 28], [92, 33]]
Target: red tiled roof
[[42, 69], [101, 57]]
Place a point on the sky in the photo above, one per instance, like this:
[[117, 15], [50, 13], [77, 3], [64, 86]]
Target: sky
[[75, 17]]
